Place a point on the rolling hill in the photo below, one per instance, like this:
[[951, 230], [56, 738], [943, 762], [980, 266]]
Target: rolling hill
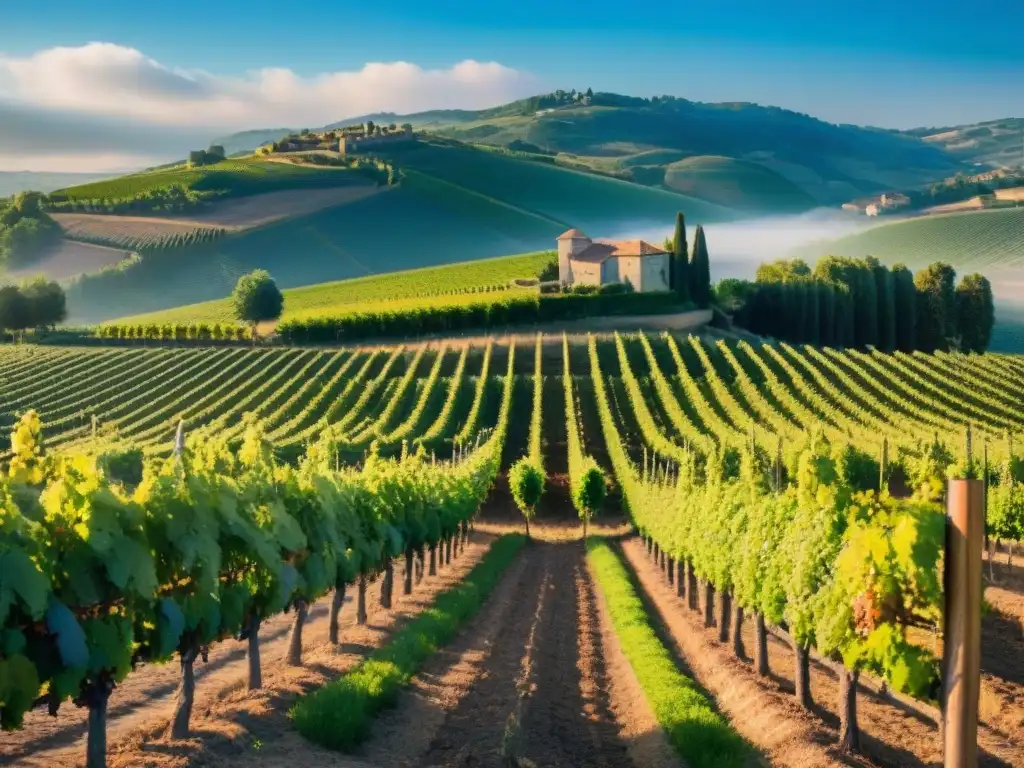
[[739, 184], [639, 139], [831, 163], [452, 205], [235, 178], [982, 240], [995, 143]]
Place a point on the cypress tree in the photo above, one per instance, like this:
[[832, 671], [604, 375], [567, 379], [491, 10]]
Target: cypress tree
[[813, 321], [905, 308], [975, 313], [700, 270], [827, 315], [936, 306], [865, 304], [886, 308], [679, 270]]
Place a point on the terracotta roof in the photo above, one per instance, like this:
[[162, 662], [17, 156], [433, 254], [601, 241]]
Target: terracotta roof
[[600, 250], [571, 233], [595, 253]]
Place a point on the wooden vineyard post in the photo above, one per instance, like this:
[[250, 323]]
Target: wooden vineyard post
[[961, 658]]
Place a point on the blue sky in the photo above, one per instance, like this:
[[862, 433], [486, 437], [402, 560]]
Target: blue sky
[[896, 64]]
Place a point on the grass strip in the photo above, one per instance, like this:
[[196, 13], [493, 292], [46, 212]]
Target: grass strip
[[339, 715], [700, 735]]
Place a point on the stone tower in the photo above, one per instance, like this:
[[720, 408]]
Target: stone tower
[[569, 244]]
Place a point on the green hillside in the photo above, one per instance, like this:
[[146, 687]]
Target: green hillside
[[991, 143], [247, 176], [337, 297], [737, 184], [568, 197], [831, 163], [452, 205], [972, 240]]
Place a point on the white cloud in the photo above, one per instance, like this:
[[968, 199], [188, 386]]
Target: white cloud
[[108, 80]]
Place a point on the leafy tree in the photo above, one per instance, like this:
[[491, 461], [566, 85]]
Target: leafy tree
[[15, 313], [975, 313], [936, 306], [47, 304], [700, 270], [679, 277], [257, 298], [527, 482], [782, 271], [905, 308]]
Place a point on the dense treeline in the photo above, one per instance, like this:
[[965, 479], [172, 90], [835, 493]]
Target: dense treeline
[[479, 315], [845, 302]]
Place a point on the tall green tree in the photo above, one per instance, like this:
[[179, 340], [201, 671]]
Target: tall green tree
[[782, 271], [700, 270], [827, 314], [15, 314], [813, 319], [975, 313], [679, 265], [936, 306], [865, 298], [886, 305], [47, 304], [905, 308], [257, 298]]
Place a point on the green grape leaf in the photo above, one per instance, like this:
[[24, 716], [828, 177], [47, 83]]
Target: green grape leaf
[[111, 642], [20, 580], [12, 641], [19, 688], [62, 624], [130, 562], [170, 623]]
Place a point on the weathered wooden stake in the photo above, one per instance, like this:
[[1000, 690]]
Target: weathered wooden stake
[[961, 658]]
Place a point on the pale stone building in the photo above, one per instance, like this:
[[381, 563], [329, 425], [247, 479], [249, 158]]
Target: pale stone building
[[582, 261]]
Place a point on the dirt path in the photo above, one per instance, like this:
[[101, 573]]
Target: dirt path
[[143, 703], [765, 711], [529, 678]]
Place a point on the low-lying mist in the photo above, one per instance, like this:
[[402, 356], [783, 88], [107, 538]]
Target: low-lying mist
[[736, 248]]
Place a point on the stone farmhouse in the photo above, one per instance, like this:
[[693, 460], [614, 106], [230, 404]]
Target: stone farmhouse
[[582, 261]]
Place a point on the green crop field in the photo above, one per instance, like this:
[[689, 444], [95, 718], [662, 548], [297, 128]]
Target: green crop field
[[470, 280], [974, 240], [235, 178]]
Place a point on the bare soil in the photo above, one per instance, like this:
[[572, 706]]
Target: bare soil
[[71, 258], [537, 678], [766, 713], [229, 721], [235, 214]]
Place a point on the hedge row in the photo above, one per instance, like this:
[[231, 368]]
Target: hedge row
[[474, 315], [173, 332]]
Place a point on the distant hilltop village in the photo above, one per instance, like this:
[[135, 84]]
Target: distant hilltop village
[[346, 141]]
